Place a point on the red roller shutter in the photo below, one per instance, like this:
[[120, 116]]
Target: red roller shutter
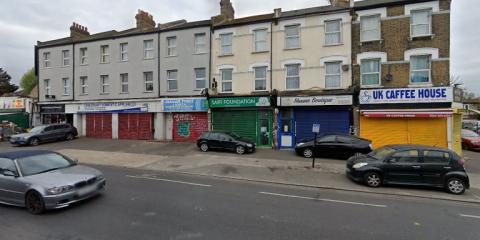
[[187, 127], [99, 125], [135, 126]]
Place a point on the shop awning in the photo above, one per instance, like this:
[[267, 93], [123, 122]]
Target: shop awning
[[407, 114]]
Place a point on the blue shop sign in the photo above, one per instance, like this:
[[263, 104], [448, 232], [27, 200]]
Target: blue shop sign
[[185, 105], [407, 95]]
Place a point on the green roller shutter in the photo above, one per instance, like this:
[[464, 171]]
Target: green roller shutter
[[241, 122], [20, 119]]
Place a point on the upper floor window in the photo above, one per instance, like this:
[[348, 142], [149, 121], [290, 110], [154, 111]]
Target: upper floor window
[[421, 23], [66, 58], [124, 83], [200, 43], [292, 36], [104, 54], [83, 56], [172, 46], [370, 28], [227, 80], [84, 85], [333, 32], [148, 49], [226, 44], [333, 75], [172, 84], [260, 40], [46, 59], [104, 84], [420, 69], [123, 52], [200, 78], [260, 78], [293, 76], [66, 86], [148, 81], [370, 72], [48, 89]]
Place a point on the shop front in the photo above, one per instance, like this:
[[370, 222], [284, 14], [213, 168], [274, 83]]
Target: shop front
[[54, 113], [186, 118], [14, 110], [296, 116], [423, 116], [249, 117]]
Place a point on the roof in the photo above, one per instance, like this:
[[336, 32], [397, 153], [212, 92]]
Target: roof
[[246, 20], [381, 3], [415, 146], [313, 10], [23, 153]]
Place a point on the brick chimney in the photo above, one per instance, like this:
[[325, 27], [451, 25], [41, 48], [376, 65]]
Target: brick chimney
[[227, 13], [277, 12], [144, 20], [78, 32], [341, 3]]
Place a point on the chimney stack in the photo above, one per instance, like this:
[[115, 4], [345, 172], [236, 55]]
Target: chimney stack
[[144, 20], [341, 3], [227, 13], [277, 12], [78, 32]]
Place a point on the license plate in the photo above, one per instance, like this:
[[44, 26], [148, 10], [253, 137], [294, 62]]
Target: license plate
[[86, 190]]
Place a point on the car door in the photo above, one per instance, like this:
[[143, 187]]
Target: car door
[[403, 167], [48, 134], [345, 146], [435, 165], [227, 142], [213, 140], [11, 189], [325, 146]]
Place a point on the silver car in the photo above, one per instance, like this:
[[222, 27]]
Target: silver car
[[41, 180]]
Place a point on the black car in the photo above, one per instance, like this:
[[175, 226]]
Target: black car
[[225, 141], [334, 146], [410, 165], [45, 133]]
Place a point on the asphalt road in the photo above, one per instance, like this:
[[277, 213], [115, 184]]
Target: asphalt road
[[153, 205]]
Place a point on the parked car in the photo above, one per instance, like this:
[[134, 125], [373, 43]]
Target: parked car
[[470, 140], [410, 165], [334, 146], [225, 141], [473, 125], [41, 180], [45, 133]]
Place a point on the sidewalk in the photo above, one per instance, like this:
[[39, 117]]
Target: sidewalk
[[327, 173]]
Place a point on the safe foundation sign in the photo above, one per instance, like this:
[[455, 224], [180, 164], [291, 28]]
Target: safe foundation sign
[[407, 95]]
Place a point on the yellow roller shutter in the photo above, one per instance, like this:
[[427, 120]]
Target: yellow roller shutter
[[428, 131], [384, 131]]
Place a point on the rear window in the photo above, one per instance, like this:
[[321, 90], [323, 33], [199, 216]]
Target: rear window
[[436, 157], [205, 135], [342, 139]]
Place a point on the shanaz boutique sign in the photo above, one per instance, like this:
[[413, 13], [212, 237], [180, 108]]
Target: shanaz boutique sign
[[316, 100], [407, 95], [239, 102]]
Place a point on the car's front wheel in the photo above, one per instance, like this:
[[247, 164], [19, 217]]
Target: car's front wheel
[[240, 150], [34, 141], [204, 147], [69, 136], [307, 153], [455, 186], [373, 179], [34, 202]]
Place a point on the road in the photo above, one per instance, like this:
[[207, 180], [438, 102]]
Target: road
[[155, 205]]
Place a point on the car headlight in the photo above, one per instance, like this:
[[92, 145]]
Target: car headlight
[[370, 146], [359, 165], [58, 190], [249, 145]]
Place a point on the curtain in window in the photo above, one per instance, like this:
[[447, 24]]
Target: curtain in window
[[332, 32], [293, 79], [260, 78], [332, 77], [260, 40], [226, 42], [420, 23], [370, 72], [227, 80], [292, 36], [370, 28], [420, 67]]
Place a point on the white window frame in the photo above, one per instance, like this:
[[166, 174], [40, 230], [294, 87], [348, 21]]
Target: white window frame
[[66, 86], [83, 56], [256, 40], [412, 12], [147, 82], [65, 58], [199, 47], [298, 26], [124, 52], [255, 79], [421, 70], [124, 76], [172, 49], [222, 45], [362, 35], [46, 60], [84, 85], [104, 84], [297, 76], [169, 80], [204, 79], [339, 32], [48, 88], [148, 51], [104, 54], [226, 81], [339, 74], [379, 72]]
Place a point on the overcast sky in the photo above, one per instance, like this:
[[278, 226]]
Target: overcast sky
[[24, 22]]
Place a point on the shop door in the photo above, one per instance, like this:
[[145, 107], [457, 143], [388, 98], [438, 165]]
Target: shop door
[[188, 127], [99, 125], [241, 122], [331, 121], [135, 126], [264, 129]]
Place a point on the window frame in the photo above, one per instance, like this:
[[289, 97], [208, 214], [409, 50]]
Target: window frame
[[339, 74], [124, 52], [379, 72], [222, 53], [47, 63], [169, 80], [287, 77], [255, 79], [204, 79], [392, 156], [226, 81], [256, 41], [104, 84], [84, 85], [123, 83], [339, 32], [147, 51], [421, 70], [65, 58], [298, 26], [197, 49], [104, 53], [47, 86], [172, 49], [66, 86], [430, 12], [447, 162], [147, 82], [83, 56], [362, 35]]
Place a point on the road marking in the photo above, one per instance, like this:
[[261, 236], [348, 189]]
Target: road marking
[[469, 216], [324, 200], [169, 180]]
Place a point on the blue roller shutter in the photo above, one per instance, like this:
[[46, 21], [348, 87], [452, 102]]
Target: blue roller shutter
[[331, 121]]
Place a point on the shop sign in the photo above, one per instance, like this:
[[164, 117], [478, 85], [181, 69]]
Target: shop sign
[[316, 101], [407, 95], [52, 108], [239, 102], [185, 105], [407, 114], [110, 107], [12, 103]]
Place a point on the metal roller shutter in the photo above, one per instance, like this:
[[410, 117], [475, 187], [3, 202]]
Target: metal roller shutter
[[187, 127], [99, 125], [331, 121], [243, 122], [135, 126]]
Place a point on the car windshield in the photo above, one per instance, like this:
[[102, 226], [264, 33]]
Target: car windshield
[[37, 129], [381, 153], [43, 163], [234, 135], [468, 133]]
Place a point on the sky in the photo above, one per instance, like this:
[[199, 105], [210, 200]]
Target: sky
[[23, 23]]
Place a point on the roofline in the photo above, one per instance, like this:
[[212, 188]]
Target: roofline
[[391, 4], [228, 25], [341, 10]]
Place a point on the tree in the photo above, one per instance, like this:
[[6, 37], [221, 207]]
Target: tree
[[28, 81], [5, 85]]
